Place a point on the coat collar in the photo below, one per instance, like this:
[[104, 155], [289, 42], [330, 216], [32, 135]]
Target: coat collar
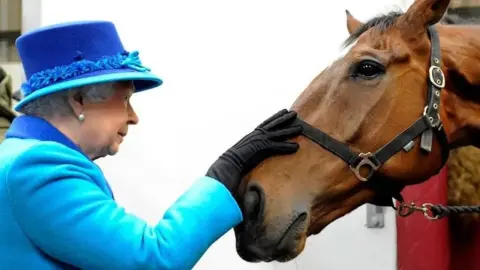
[[31, 127]]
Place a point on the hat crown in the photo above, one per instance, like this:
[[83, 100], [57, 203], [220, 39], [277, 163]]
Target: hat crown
[[63, 44], [69, 55]]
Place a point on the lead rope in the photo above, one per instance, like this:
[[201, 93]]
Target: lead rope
[[435, 212]]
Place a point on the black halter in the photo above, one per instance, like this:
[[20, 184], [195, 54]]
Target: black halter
[[426, 125]]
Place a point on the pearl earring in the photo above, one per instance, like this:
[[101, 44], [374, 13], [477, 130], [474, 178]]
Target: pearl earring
[[81, 117]]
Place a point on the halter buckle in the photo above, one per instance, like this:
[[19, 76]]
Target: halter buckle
[[365, 161], [437, 77]]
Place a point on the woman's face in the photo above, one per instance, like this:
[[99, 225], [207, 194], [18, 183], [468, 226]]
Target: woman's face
[[106, 123]]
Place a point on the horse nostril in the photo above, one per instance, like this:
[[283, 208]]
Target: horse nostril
[[254, 202]]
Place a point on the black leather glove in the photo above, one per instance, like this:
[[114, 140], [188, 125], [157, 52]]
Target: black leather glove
[[267, 140]]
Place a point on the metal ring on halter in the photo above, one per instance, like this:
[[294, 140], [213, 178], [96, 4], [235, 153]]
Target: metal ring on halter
[[437, 124], [365, 161]]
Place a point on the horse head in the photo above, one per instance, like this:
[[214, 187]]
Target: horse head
[[381, 117]]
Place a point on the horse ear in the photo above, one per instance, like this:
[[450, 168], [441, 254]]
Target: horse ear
[[423, 13], [352, 23]]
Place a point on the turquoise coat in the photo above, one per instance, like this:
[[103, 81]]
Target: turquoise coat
[[57, 211]]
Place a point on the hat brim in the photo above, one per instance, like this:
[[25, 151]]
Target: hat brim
[[142, 81]]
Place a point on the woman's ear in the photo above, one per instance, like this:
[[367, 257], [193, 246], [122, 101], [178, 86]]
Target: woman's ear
[[75, 99]]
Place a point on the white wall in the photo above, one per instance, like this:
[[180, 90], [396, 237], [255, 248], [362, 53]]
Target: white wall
[[222, 63]]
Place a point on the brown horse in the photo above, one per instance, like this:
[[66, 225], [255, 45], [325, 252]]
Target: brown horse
[[381, 117]]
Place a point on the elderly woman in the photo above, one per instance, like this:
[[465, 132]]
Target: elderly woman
[[57, 210]]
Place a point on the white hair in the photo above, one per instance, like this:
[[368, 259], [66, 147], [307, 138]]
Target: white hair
[[57, 104]]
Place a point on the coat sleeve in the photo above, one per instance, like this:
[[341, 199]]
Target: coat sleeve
[[66, 215]]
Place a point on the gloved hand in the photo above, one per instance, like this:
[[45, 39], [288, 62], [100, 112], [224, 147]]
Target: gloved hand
[[267, 140]]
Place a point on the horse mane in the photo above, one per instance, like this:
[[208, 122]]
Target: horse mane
[[383, 22]]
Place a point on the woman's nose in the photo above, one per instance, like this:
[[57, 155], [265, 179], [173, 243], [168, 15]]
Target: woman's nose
[[132, 116]]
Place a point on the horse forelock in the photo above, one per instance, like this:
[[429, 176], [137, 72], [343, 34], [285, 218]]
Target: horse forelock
[[381, 22]]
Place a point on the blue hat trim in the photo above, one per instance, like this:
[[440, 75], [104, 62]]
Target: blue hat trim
[[45, 78], [122, 66]]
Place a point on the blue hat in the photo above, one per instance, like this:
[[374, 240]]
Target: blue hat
[[67, 55]]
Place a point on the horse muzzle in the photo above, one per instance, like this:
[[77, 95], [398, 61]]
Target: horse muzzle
[[255, 245]]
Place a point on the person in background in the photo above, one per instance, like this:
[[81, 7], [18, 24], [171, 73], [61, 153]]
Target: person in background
[[17, 95], [6, 113], [57, 210]]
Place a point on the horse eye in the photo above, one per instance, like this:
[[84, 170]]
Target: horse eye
[[367, 69]]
